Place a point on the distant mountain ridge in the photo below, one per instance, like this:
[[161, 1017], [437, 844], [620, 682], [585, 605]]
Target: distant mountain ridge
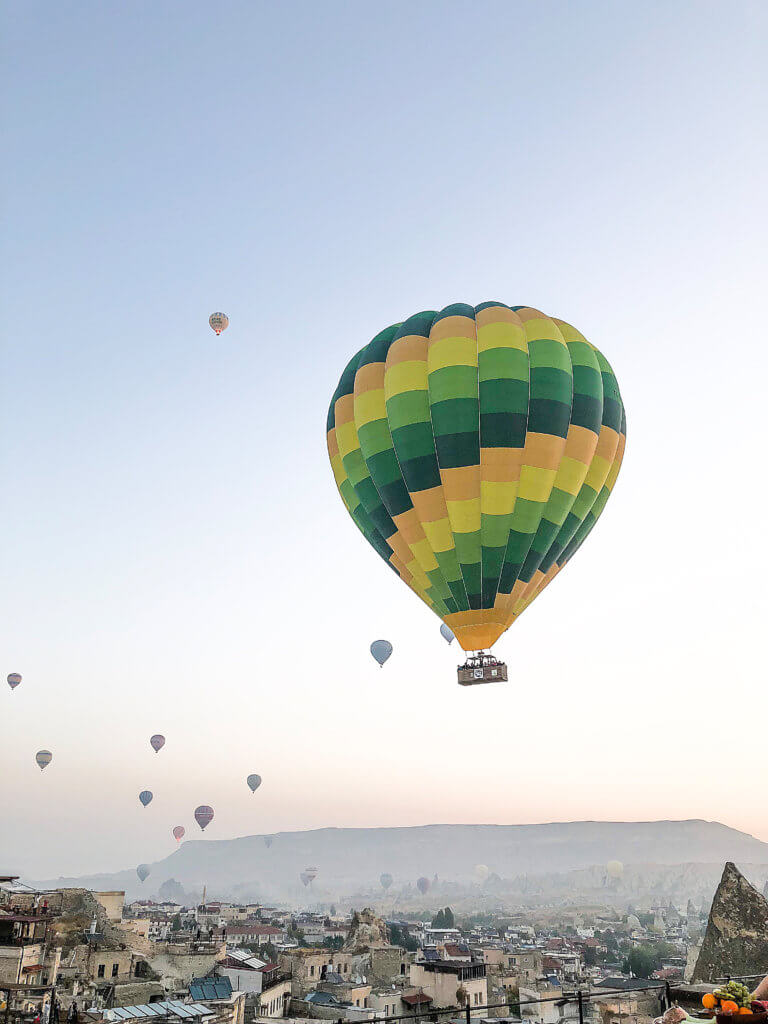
[[351, 859]]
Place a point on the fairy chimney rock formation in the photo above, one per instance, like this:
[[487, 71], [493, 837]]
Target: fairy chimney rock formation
[[366, 931], [736, 940]]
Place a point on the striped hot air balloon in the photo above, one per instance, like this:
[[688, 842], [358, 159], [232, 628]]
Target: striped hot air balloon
[[475, 449], [203, 816]]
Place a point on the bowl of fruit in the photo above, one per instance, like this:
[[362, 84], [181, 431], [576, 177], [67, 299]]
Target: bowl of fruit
[[734, 1000]]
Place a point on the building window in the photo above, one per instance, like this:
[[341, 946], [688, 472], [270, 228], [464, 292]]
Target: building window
[[312, 971], [115, 970], [100, 971]]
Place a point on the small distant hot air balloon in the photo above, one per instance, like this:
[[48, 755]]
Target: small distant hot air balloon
[[178, 833], [14, 679], [311, 874], [386, 880], [157, 742], [254, 781], [146, 797], [203, 815], [614, 868], [481, 872], [447, 633], [267, 841], [43, 758], [304, 879], [219, 322], [381, 650], [422, 885], [143, 872]]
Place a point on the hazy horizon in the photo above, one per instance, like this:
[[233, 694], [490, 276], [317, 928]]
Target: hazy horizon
[[176, 557]]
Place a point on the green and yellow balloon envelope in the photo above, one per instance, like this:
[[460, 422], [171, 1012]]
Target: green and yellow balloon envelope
[[475, 449]]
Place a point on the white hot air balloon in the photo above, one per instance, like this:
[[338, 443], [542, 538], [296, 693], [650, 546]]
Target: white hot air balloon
[[481, 872], [219, 322], [43, 758]]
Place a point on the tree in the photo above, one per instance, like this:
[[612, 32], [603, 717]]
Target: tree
[[402, 937], [461, 995], [176, 923], [449, 919], [438, 921], [641, 962], [333, 942]]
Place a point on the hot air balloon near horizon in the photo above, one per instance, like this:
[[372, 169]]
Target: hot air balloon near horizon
[[615, 868], [386, 880], [14, 678], [157, 742], [203, 816], [481, 872], [475, 448], [304, 878], [422, 884], [143, 871], [381, 651], [218, 322], [145, 796], [254, 781], [43, 758], [179, 833]]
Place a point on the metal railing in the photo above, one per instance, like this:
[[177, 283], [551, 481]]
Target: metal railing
[[578, 998]]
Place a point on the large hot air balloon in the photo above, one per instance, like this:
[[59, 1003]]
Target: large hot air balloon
[[143, 872], [157, 742], [254, 781], [446, 633], [219, 322], [203, 815], [13, 680], [178, 833], [422, 884], [145, 796], [43, 758], [481, 872], [475, 449], [381, 650], [386, 880]]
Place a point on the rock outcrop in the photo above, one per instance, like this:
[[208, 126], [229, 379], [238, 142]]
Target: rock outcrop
[[736, 939], [366, 931]]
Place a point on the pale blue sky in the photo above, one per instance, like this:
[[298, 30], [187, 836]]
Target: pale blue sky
[[171, 531]]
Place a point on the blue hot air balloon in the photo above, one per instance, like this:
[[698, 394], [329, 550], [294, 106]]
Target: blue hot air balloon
[[381, 650], [145, 796]]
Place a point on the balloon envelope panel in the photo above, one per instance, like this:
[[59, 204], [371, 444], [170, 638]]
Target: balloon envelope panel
[[475, 448]]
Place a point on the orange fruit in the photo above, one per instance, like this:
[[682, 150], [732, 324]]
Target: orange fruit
[[709, 1002], [728, 1006], [746, 1009]]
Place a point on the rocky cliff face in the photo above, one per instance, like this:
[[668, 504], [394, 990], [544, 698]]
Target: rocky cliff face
[[367, 931], [736, 940]]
